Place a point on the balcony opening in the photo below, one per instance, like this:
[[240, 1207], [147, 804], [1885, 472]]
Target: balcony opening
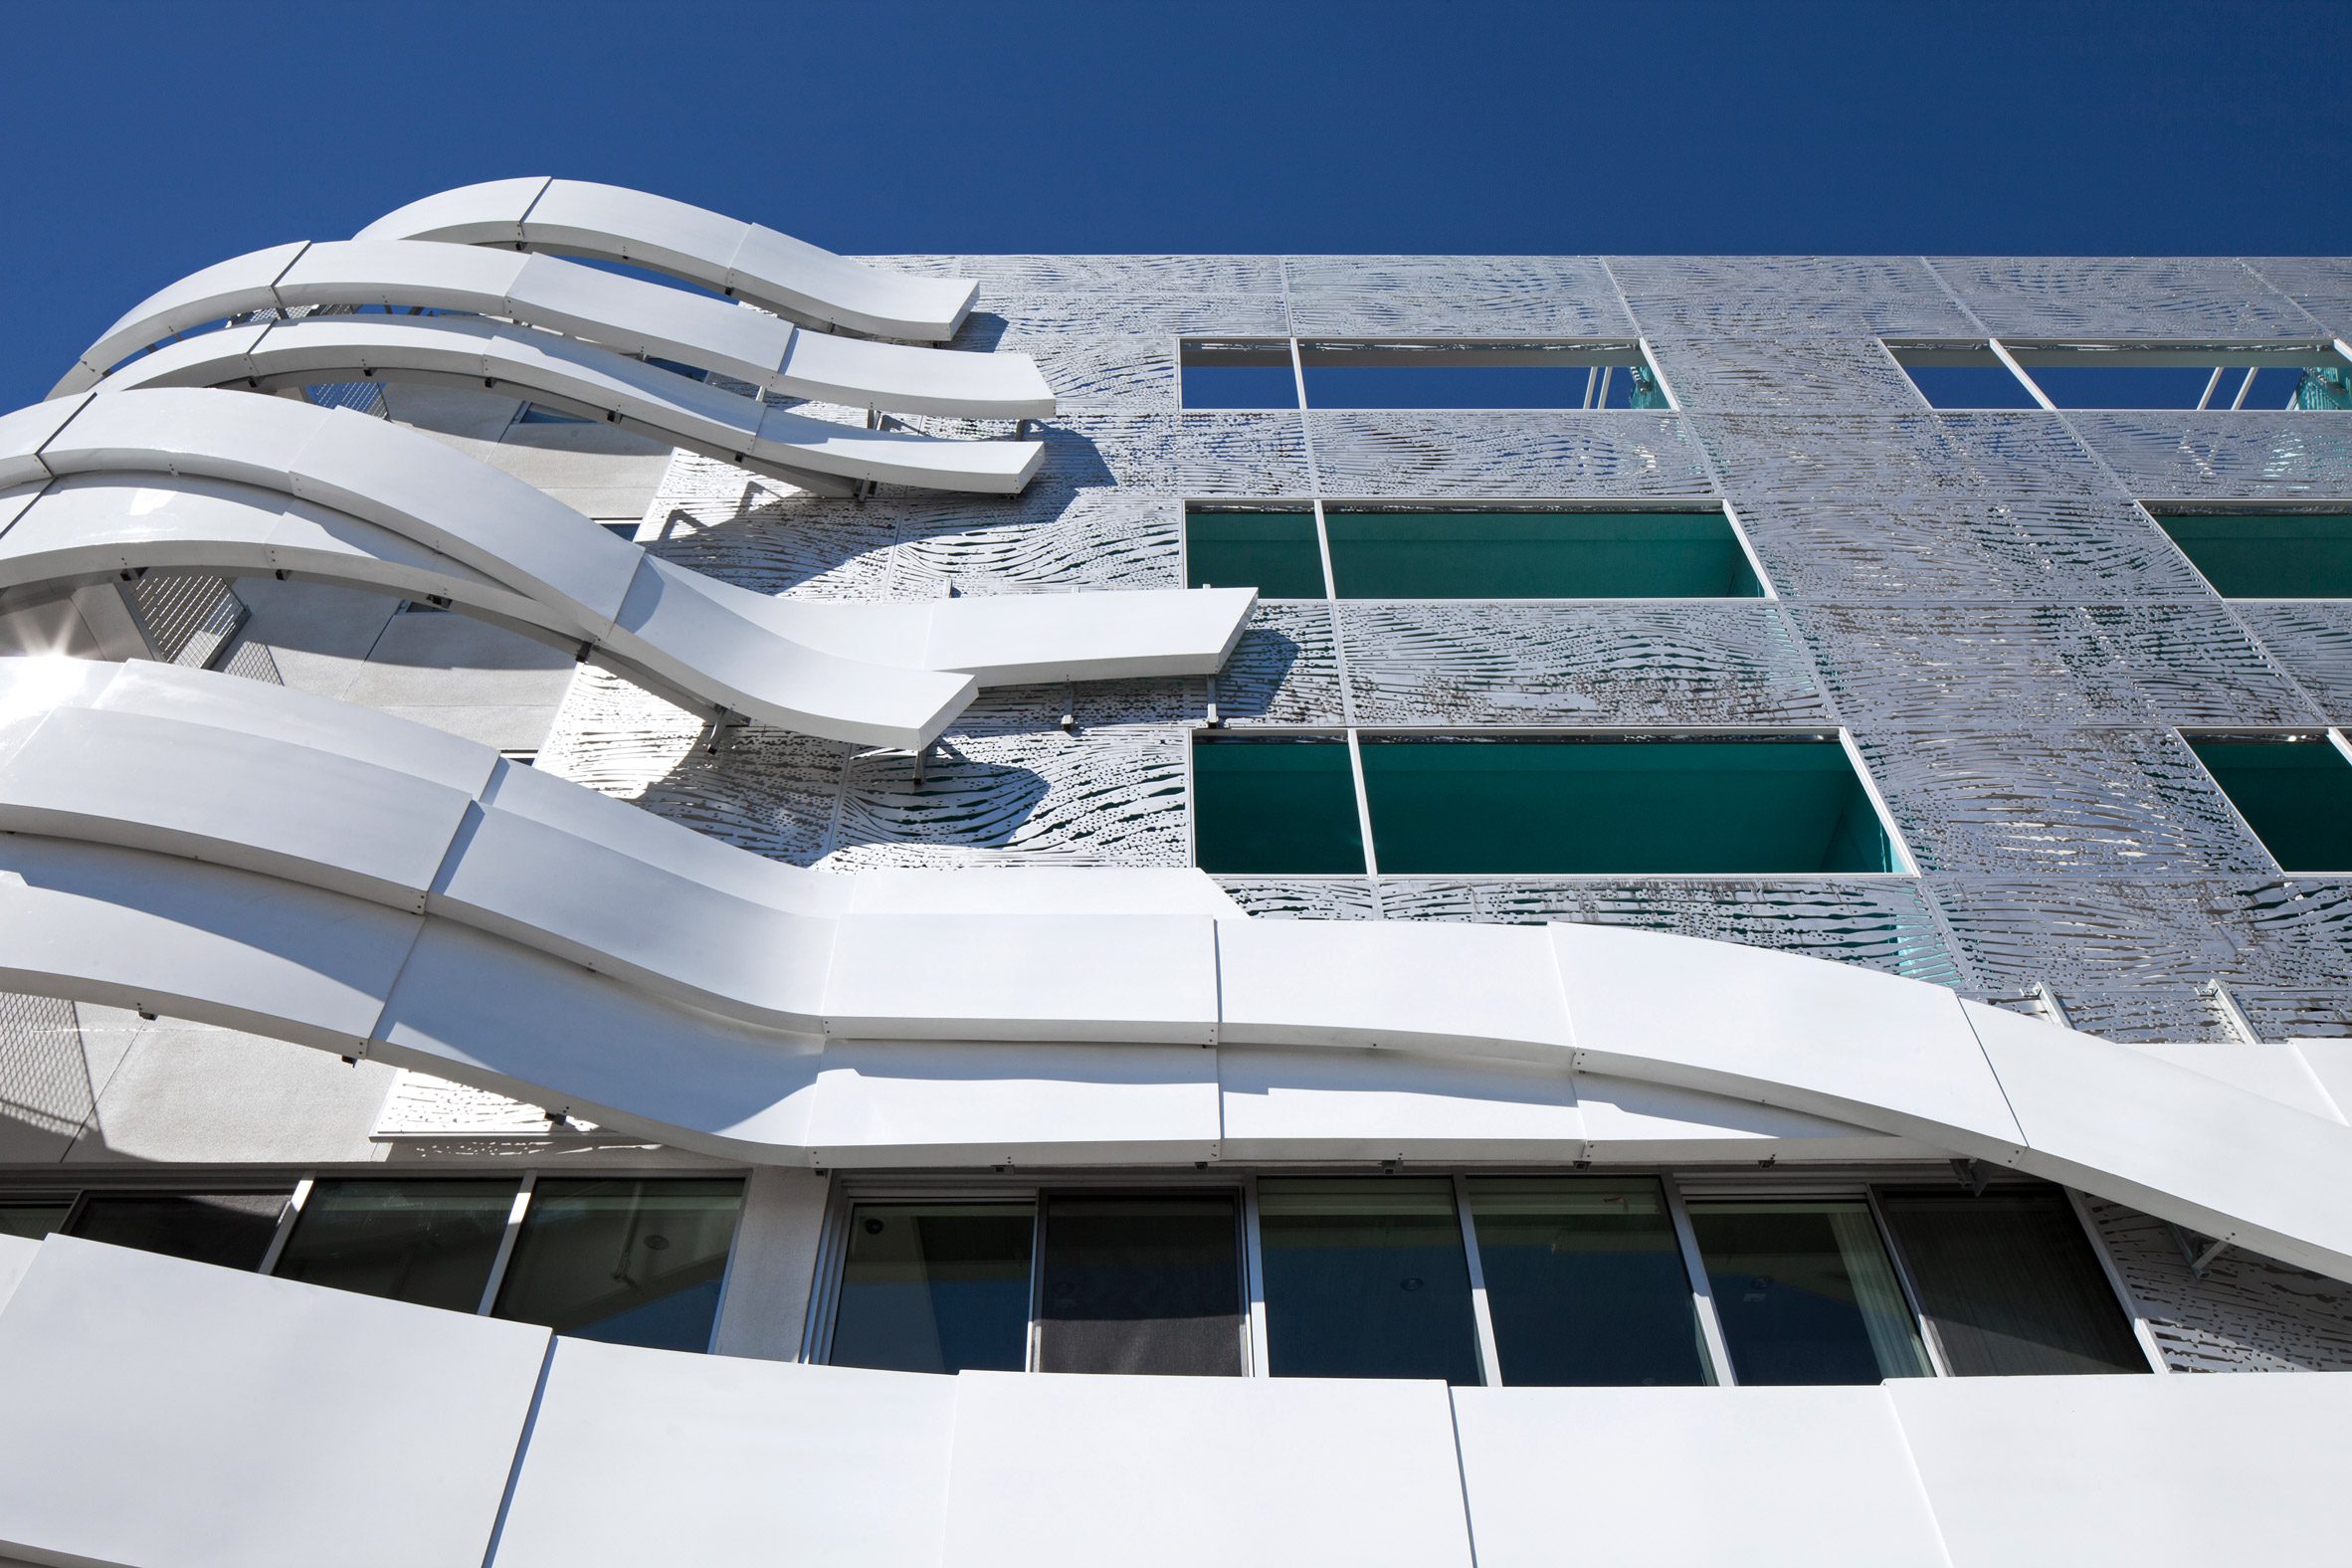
[[1275, 806], [1257, 373], [1413, 553], [2267, 555], [2073, 375], [1251, 374], [1270, 550]]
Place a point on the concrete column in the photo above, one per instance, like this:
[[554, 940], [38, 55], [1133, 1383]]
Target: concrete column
[[773, 1272]]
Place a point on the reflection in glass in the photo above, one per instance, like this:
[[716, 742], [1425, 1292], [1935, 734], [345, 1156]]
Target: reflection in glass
[[1585, 1282], [427, 1241], [1141, 1285], [935, 1287], [1365, 1278], [2011, 1285], [628, 1261], [32, 1221], [230, 1229], [1805, 1294]]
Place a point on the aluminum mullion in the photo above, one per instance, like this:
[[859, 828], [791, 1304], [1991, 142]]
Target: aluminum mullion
[[286, 1219], [2141, 1329], [1260, 1360], [1355, 768], [1702, 1293], [1489, 1358], [506, 1241], [1929, 1337], [2033, 387]]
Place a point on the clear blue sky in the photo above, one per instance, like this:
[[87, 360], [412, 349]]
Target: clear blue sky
[[147, 139]]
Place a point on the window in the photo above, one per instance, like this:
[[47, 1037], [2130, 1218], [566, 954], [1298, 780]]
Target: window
[[1548, 804], [935, 1287], [1141, 1284], [624, 1261], [2200, 376], [1585, 1282], [1556, 1280], [2267, 555], [1278, 805], [1272, 551], [1366, 1279], [34, 1218], [1806, 1293], [2009, 1286], [1421, 552], [433, 1242], [2293, 790], [1258, 373], [231, 1229]]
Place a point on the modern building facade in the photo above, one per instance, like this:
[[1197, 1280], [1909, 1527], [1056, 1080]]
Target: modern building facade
[[1141, 910]]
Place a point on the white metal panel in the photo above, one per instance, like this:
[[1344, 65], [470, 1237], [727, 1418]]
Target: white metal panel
[[1630, 1123], [1691, 1478], [16, 1256], [1488, 989], [26, 430], [205, 942], [914, 381], [1143, 978], [2272, 1070], [1039, 890], [965, 1102], [490, 213], [2119, 1470], [731, 1463], [1178, 1471], [484, 1011], [1833, 1040], [566, 894], [236, 287], [317, 816], [174, 1416], [2330, 1061], [795, 277], [1356, 1104], [2178, 1143]]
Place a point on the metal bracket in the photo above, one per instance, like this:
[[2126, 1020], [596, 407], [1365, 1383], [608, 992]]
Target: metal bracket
[[2198, 1260], [1973, 1175]]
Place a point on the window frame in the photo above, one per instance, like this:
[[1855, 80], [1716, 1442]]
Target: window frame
[[1320, 505], [2020, 356], [1679, 1186], [1205, 733], [1618, 352]]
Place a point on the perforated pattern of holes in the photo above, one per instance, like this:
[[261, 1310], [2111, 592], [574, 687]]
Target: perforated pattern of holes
[[1785, 296], [2248, 1313], [2314, 644], [1509, 453], [1501, 664], [2224, 456], [2320, 284], [2120, 298], [1807, 375], [1454, 297]]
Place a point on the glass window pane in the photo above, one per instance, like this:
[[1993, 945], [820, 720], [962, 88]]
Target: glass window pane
[[1273, 552], [427, 1241], [231, 1229], [1966, 385], [1457, 807], [2115, 381], [1585, 1282], [628, 1261], [935, 1287], [1141, 1285], [1538, 555], [1276, 807], [2256, 555], [1805, 1294], [1237, 375], [2011, 1285], [1365, 1278], [2296, 795], [34, 1219]]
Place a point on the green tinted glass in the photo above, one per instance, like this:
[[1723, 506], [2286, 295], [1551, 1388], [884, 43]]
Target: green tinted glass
[[2247, 555], [1273, 552], [1571, 805], [1537, 556], [1275, 807], [2296, 795], [624, 1260]]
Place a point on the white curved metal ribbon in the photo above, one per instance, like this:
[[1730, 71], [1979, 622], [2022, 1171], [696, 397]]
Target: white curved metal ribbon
[[789, 277], [202, 481], [626, 315], [581, 378], [345, 880]]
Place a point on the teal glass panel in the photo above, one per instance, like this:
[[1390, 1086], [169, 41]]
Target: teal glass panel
[[1585, 1282], [432, 1242], [1568, 805], [628, 1261], [1365, 1278], [2256, 555], [935, 1287], [2296, 795], [1275, 808], [1805, 1294], [1538, 555], [1273, 552]]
